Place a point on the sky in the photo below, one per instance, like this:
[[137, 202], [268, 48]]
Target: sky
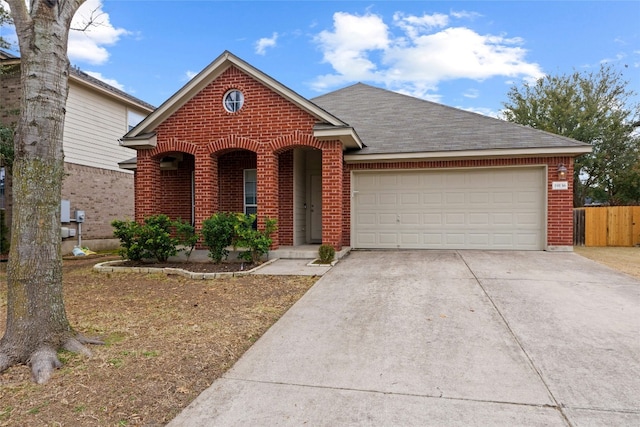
[[465, 54]]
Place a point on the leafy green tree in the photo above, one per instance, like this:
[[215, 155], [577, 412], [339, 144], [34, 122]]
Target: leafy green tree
[[5, 19], [593, 107], [37, 324]]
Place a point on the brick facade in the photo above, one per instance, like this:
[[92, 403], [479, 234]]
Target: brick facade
[[262, 135], [103, 194]]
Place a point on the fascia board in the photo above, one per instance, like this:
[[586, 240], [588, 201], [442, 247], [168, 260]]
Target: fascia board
[[347, 136], [470, 154]]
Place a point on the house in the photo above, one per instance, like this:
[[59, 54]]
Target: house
[[360, 167], [97, 115]]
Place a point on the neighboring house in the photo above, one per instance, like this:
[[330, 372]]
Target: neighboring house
[[361, 167], [97, 115]]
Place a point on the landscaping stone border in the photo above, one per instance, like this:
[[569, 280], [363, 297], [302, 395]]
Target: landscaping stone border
[[112, 267]]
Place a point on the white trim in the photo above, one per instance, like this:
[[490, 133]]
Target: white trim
[[346, 135], [144, 141], [476, 154]]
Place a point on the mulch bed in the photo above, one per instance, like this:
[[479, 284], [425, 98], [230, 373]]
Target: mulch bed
[[195, 267]]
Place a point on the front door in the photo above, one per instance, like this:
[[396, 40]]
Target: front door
[[315, 217]]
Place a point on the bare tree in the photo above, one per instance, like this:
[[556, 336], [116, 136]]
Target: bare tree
[[37, 324]]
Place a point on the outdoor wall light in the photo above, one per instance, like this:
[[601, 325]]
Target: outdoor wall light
[[562, 171]]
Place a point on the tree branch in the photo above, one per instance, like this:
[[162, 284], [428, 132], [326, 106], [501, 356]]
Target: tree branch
[[93, 18]]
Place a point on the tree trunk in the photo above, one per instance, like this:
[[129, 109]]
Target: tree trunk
[[37, 324]]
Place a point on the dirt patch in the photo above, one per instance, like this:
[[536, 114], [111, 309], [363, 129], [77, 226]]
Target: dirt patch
[[167, 339], [623, 259]]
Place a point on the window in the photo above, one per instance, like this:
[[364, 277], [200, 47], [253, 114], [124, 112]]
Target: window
[[233, 101], [250, 191], [133, 119]]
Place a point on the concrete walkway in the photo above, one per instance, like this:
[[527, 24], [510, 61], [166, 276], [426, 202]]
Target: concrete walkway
[[443, 338]]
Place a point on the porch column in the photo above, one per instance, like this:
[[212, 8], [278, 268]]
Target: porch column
[[332, 181], [147, 185], [206, 187], [268, 202]]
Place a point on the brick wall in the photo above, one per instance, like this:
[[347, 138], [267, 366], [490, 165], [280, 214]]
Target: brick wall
[[10, 94], [260, 135], [103, 194], [559, 202], [175, 189], [285, 195], [231, 168]]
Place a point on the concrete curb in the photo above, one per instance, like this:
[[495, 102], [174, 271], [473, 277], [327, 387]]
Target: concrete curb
[[112, 267]]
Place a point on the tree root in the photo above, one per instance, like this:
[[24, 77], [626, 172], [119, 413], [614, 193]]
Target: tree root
[[43, 362], [89, 340]]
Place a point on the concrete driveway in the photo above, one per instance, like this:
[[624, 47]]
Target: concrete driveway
[[443, 338]]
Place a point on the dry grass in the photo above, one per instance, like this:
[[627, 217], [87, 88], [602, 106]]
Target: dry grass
[[167, 339], [626, 260]]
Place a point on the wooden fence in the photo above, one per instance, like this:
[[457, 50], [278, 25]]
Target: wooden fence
[[606, 226]]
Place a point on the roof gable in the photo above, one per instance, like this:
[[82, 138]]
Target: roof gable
[[148, 126], [392, 123]]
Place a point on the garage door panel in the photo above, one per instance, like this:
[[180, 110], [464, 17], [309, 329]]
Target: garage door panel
[[454, 198], [388, 199], [503, 219], [410, 199], [432, 198], [410, 219], [456, 209], [387, 219], [367, 200], [388, 181], [454, 219], [388, 238], [366, 219], [479, 219]]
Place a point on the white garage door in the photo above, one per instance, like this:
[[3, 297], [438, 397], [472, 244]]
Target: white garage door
[[455, 209]]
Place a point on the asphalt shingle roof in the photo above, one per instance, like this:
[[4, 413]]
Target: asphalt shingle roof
[[388, 122]]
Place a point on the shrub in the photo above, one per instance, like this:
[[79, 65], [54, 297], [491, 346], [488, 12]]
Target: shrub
[[257, 242], [218, 232], [225, 229], [151, 240], [186, 234], [326, 253]]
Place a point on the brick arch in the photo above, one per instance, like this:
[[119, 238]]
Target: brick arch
[[295, 139], [173, 145], [232, 142]]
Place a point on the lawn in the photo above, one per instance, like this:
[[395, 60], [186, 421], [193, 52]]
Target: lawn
[[625, 259], [167, 339]]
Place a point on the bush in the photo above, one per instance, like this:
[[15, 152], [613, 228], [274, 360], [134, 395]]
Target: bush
[[257, 242], [326, 253], [151, 240], [225, 229], [186, 234], [218, 232]]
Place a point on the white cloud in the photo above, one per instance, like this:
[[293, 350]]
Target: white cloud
[[414, 60], [89, 45], [266, 42], [190, 74], [108, 81], [471, 93], [347, 47]]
